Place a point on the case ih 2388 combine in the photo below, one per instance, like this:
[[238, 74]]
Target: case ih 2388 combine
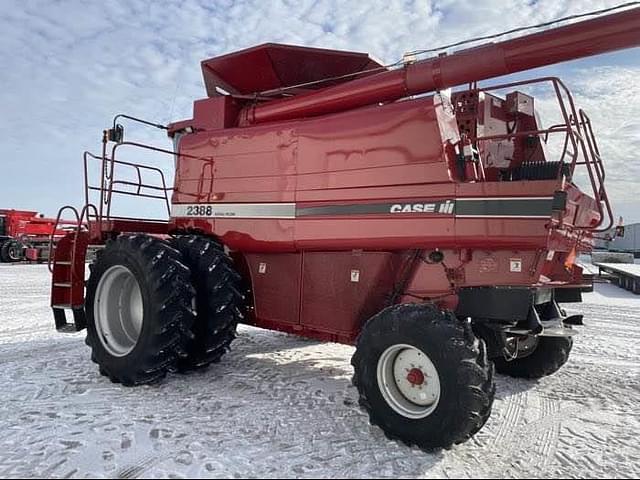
[[322, 194]]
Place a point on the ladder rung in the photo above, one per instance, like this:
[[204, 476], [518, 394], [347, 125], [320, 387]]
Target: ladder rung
[[62, 307], [62, 285], [63, 263]]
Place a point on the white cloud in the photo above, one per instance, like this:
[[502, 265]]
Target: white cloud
[[69, 66]]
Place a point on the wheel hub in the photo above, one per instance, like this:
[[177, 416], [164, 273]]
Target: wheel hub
[[415, 377], [522, 347]]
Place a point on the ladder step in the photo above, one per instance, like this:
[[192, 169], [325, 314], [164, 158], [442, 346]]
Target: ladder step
[[62, 285], [63, 263], [62, 306], [79, 320], [67, 328]]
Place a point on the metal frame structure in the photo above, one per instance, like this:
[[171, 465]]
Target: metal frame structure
[[578, 135]]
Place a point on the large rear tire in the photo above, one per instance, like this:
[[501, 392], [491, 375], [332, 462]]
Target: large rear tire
[[219, 301], [423, 376], [537, 359], [139, 309]]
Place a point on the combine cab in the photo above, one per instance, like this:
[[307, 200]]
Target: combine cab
[[319, 193]]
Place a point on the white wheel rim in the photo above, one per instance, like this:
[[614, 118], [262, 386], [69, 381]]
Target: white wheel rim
[[14, 253], [118, 311], [408, 381]]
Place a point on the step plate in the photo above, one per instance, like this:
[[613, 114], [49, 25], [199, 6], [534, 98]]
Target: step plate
[[62, 326]]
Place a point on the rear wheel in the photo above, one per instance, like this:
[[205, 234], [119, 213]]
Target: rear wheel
[[139, 309], [219, 301], [423, 376], [535, 356], [12, 251]]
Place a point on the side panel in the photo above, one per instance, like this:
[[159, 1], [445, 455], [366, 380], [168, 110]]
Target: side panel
[[475, 267], [330, 295], [504, 214], [238, 167], [341, 290], [276, 282], [248, 165], [353, 167]]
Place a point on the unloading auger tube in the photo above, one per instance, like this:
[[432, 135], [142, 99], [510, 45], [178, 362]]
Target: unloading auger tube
[[583, 39]]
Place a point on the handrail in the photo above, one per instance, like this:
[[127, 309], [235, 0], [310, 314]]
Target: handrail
[[579, 140], [107, 191], [138, 167], [79, 217], [591, 141], [572, 119], [594, 164], [598, 167], [57, 222], [110, 185]]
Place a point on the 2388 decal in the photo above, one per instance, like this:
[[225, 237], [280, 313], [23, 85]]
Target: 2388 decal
[[200, 210]]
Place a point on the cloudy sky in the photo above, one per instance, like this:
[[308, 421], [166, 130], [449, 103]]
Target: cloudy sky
[[66, 67]]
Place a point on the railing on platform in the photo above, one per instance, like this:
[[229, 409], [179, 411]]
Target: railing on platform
[[579, 149]]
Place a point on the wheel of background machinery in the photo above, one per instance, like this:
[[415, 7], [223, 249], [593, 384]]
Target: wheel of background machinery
[[536, 357], [12, 251], [423, 376], [219, 301], [139, 308]]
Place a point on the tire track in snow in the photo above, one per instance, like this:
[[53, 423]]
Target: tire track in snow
[[510, 419], [138, 468], [548, 439]]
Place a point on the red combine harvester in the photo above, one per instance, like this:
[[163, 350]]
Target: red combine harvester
[[25, 235], [322, 194]]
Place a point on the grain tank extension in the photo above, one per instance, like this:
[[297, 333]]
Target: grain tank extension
[[322, 194]]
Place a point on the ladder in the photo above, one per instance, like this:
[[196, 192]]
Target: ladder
[[67, 265]]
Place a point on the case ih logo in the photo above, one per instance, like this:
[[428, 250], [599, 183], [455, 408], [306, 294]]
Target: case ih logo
[[436, 207]]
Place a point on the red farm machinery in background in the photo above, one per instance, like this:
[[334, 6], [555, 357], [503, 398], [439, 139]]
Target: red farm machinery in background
[[26, 235], [319, 193]]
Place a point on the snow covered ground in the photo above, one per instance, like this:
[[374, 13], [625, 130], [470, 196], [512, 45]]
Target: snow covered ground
[[281, 406]]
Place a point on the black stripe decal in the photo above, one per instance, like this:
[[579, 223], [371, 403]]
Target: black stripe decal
[[357, 209], [420, 206], [521, 207], [536, 207]]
